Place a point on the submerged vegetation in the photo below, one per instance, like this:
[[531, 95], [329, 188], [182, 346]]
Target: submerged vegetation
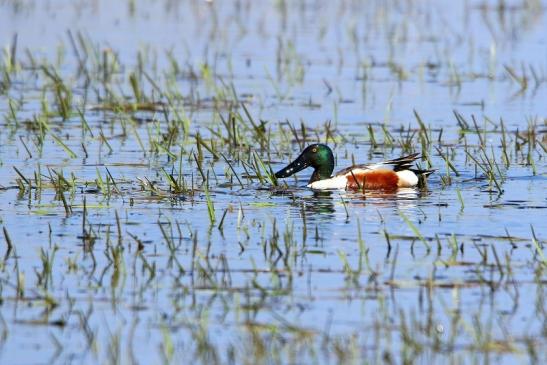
[[142, 221]]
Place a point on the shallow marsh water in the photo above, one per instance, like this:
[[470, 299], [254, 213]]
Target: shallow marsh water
[[134, 187]]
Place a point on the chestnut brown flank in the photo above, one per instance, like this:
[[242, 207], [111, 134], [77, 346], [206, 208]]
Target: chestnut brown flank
[[373, 179]]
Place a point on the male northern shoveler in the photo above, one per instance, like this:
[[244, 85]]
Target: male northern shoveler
[[387, 175]]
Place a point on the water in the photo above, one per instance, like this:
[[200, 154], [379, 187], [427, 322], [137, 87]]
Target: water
[[282, 275]]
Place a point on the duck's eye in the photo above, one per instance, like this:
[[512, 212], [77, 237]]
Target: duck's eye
[[314, 150]]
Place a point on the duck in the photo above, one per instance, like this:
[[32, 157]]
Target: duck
[[386, 175]]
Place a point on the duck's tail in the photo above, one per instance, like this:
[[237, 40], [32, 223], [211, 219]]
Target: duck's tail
[[424, 173]]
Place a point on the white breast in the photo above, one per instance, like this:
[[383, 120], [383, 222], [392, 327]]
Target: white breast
[[337, 182]]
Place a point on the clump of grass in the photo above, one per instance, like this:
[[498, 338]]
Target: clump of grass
[[210, 204], [415, 230]]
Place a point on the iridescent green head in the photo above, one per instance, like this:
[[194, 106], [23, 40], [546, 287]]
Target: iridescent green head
[[318, 156]]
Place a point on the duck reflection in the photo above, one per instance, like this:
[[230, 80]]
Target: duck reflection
[[323, 205], [321, 202]]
